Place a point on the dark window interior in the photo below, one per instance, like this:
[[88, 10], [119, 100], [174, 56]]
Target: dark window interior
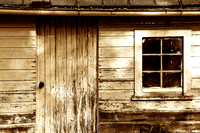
[[162, 62]]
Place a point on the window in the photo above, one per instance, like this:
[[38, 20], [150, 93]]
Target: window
[[162, 63]]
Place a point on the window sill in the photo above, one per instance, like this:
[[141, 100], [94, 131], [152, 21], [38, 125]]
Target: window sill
[[162, 98]]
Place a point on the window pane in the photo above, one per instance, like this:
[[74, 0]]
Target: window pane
[[150, 45], [151, 63], [172, 45], [172, 62], [171, 79], [151, 79]]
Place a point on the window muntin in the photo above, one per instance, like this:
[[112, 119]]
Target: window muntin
[[162, 62], [177, 51]]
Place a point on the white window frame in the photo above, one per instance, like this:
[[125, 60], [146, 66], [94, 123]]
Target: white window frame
[[185, 90]]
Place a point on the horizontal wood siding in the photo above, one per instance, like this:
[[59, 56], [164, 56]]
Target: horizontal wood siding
[[70, 47], [17, 74], [117, 113], [116, 64]]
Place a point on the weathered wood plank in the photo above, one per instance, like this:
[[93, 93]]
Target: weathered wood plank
[[59, 123], [116, 52], [18, 75], [40, 76], [149, 116], [116, 74], [148, 127], [71, 77], [51, 90], [18, 128], [64, 75], [116, 41], [115, 32], [18, 64], [18, 42], [195, 51], [80, 90], [115, 95], [22, 118], [7, 86], [17, 97], [47, 53], [17, 32], [84, 89], [129, 106], [17, 52], [116, 63], [92, 75], [17, 107], [119, 85], [17, 21]]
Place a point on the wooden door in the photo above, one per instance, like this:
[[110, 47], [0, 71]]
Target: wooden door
[[18, 67]]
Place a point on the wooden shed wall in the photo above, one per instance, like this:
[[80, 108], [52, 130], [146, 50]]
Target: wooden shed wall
[[67, 46], [17, 74], [117, 113]]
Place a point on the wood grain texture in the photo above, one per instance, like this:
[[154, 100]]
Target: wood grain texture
[[116, 63], [116, 52], [116, 74], [17, 32], [71, 78], [129, 106], [115, 95], [25, 75], [92, 93], [115, 32], [121, 41], [18, 128], [18, 64], [17, 97], [17, 42], [18, 74], [22, 107], [11, 86], [70, 93], [148, 127], [166, 116], [149, 116], [6, 119], [40, 76], [17, 52], [116, 85]]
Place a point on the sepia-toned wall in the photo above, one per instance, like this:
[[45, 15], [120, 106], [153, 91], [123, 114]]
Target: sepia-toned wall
[[86, 65], [117, 112], [59, 52]]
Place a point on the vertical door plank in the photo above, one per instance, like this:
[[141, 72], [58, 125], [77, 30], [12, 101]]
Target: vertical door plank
[[63, 91], [52, 75], [40, 77], [71, 78], [86, 111], [58, 67], [47, 61], [79, 84], [92, 67]]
